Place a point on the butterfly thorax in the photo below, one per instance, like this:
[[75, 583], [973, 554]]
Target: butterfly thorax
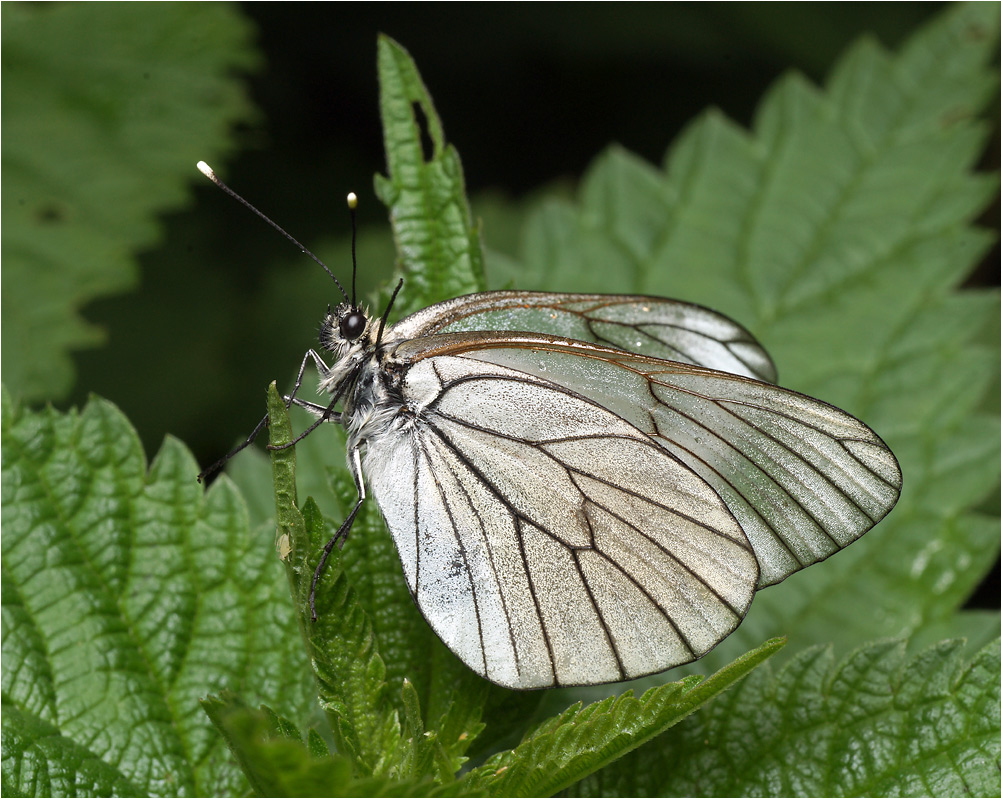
[[373, 405]]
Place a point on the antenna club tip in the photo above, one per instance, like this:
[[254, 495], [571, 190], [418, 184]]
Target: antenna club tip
[[352, 200], [205, 169]]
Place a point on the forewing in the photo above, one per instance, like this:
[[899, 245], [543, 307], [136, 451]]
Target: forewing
[[803, 478], [547, 541], [652, 326]]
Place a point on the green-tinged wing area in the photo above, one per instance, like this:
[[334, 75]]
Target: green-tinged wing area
[[651, 326]]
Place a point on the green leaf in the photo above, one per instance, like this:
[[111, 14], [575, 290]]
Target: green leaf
[[40, 761], [272, 753], [582, 740], [876, 724], [99, 131], [127, 595], [437, 242], [837, 231], [343, 650], [441, 257]]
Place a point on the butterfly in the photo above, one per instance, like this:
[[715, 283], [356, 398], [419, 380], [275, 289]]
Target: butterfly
[[588, 488]]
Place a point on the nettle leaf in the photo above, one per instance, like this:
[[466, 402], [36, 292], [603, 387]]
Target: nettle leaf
[[876, 724], [581, 740], [382, 736], [837, 230], [128, 594], [279, 763], [40, 761], [441, 257], [98, 135], [437, 242], [344, 653]]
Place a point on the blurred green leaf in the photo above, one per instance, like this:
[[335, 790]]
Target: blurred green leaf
[[127, 595], [100, 132], [877, 724]]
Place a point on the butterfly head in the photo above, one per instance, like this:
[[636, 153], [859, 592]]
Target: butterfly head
[[345, 329]]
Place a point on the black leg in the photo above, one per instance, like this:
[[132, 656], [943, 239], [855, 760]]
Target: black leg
[[222, 461], [342, 536], [290, 399], [328, 415]]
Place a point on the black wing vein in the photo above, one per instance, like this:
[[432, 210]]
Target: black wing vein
[[490, 555], [601, 619], [541, 447], [735, 488], [443, 495]]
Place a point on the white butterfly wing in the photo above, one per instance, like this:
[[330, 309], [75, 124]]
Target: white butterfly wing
[[547, 541], [802, 478], [652, 326]]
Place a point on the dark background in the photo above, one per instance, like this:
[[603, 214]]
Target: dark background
[[528, 93]]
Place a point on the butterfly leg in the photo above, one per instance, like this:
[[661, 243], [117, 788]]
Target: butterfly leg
[[215, 467], [315, 408], [322, 369], [325, 412], [341, 535]]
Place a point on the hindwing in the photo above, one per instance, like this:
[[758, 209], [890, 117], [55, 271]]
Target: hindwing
[[546, 540]]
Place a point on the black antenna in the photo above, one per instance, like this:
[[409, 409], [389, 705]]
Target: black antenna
[[206, 170], [352, 205], [386, 313]]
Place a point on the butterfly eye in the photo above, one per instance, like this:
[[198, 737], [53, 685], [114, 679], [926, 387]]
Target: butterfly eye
[[353, 325]]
